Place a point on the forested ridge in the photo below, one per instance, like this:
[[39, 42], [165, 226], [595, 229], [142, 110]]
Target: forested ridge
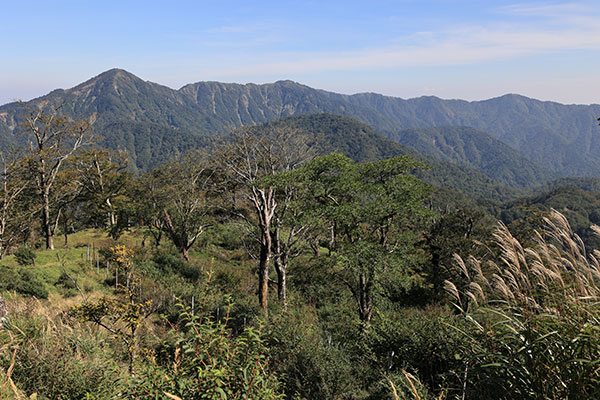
[[307, 257], [560, 139]]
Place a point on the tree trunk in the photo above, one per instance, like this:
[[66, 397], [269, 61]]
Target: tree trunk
[[281, 282], [2, 230], [185, 253], [280, 263], [435, 273], [263, 269], [365, 306], [314, 245], [47, 225], [112, 218], [179, 242]]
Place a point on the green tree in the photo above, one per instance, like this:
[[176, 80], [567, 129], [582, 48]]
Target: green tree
[[370, 210], [103, 182], [454, 231]]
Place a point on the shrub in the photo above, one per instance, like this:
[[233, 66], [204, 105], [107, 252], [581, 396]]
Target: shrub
[[424, 342], [314, 367], [30, 284], [23, 280], [65, 281], [206, 361], [168, 263], [25, 255]]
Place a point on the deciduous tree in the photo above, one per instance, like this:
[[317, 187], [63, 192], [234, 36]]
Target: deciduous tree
[[371, 210], [253, 154], [12, 213], [53, 139], [184, 198]]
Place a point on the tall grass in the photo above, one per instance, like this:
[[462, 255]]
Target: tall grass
[[535, 316], [49, 355]]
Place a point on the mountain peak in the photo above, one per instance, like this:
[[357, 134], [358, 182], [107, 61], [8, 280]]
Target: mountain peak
[[113, 78], [116, 73]]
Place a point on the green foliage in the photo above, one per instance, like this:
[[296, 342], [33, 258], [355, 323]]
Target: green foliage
[[314, 367], [371, 208], [167, 263], [208, 362], [23, 280], [25, 255], [454, 231], [581, 207], [425, 342]]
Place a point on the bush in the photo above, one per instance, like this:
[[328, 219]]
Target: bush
[[168, 263], [25, 256], [22, 280], [206, 361], [30, 284], [314, 367], [65, 281], [424, 342]]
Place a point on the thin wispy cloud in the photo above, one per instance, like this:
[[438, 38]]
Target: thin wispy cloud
[[349, 42], [557, 10], [469, 45]]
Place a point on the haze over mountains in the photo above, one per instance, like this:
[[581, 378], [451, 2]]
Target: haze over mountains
[[514, 140]]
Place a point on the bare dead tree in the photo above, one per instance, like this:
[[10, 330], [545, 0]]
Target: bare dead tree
[[53, 139]]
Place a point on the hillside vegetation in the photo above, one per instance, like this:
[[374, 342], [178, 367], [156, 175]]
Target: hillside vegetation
[[304, 257]]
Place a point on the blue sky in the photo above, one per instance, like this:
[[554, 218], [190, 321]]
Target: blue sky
[[472, 50]]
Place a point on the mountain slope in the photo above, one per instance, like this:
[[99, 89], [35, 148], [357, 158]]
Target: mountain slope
[[478, 150], [536, 128], [334, 133], [563, 138]]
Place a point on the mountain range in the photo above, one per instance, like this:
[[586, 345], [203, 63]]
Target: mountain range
[[513, 140]]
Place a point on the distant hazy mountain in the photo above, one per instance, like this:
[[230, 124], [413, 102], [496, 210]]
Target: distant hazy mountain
[[477, 149], [562, 138]]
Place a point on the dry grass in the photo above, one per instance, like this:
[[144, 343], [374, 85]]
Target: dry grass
[[537, 279]]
